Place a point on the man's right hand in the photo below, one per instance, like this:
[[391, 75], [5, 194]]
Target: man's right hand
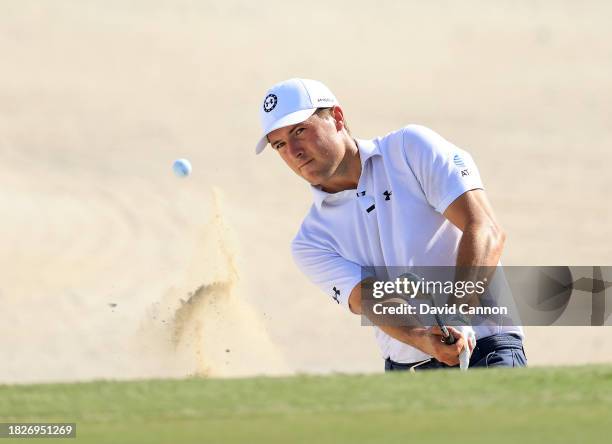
[[434, 345]]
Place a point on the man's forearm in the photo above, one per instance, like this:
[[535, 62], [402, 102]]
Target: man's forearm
[[426, 340], [418, 337], [481, 245], [479, 251], [415, 335]]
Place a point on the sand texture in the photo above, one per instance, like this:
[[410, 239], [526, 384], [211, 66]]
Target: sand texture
[[112, 267]]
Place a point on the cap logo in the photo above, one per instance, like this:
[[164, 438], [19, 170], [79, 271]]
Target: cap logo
[[270, 102]]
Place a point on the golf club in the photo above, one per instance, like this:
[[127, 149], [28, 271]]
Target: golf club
[[448, 337]]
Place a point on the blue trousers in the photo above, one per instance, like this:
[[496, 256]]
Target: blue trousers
[[502, 350]]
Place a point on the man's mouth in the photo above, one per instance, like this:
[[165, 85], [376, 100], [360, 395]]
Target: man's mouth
[[304, 164]]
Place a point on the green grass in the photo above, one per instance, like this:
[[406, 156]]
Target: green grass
[[523, 405]]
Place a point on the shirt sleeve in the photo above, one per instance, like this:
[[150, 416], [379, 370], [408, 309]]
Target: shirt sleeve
[[443, 170], [325, 268]]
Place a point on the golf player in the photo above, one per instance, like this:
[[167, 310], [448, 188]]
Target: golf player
[[407, 198]]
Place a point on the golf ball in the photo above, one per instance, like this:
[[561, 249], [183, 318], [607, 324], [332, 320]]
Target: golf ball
[[181, 167]]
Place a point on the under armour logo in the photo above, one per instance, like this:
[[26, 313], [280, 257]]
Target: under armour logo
[[388, 195], [336, 294]]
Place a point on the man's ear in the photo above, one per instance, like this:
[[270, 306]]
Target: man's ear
[[338, 115]]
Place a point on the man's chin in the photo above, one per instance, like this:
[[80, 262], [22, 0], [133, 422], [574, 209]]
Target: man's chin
[[312, 179], [315, 179]]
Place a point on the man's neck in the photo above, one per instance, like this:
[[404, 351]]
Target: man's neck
[[349, 171]]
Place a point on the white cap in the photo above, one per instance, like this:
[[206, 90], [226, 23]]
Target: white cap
[[291, 102]]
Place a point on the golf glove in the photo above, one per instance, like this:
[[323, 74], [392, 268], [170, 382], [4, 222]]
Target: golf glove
[[470, 340]]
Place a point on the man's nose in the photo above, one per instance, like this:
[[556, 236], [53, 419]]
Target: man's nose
[[296, 149]]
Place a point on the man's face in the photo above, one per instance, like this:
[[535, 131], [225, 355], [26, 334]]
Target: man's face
[[313, 149]]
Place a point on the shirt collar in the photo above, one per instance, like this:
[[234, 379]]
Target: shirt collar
[[367, 149]]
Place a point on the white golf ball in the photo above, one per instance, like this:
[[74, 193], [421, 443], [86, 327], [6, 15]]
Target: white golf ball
[[181, 167]]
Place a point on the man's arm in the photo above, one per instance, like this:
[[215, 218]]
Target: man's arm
[[428, 340], [483, 238], [480, 248]]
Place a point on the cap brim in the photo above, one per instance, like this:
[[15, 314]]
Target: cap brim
[[289, 119]]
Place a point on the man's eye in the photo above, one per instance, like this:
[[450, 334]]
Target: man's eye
[[298, 131], [279, 145]]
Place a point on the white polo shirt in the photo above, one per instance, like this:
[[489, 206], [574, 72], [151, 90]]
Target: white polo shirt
[[393, 218]]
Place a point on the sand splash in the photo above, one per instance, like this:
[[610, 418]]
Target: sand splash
[[204, 327]]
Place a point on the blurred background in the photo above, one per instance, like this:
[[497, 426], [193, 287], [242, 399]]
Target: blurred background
[[112, 267]]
